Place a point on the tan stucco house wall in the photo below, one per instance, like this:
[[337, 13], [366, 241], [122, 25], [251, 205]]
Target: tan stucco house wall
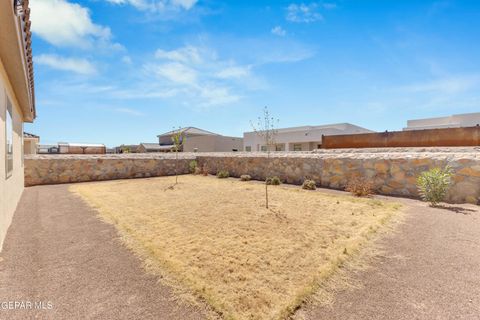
[[16, 91], [199, 140], [213, 143], [30, 145], [11, 187]]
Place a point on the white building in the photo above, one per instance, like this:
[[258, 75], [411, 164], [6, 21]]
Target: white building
[[454, 121], [304, 138]]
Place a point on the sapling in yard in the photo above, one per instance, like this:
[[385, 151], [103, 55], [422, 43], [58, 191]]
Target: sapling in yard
[[178, 140], [192, 166], [266, 130]]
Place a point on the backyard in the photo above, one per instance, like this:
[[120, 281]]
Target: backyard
[[214, 241]]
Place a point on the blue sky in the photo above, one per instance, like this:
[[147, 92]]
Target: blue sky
[[123, 71]]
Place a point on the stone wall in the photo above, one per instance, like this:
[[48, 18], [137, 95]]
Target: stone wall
[[55, 169], [393, 172]]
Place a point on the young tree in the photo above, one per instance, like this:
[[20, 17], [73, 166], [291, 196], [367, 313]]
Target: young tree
[[178, 140], [266, 130]]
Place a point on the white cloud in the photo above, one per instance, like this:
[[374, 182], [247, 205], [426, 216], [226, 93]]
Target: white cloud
[[303, 13], [157, 5], [145, 92], [80, 66], [187, 54], [447, 85], [279, 31], [139, 4], [233, 72], [62, 24], [129, 111], [127, 60], [176, 72], [185, 4], [215, 96], [199, 76]]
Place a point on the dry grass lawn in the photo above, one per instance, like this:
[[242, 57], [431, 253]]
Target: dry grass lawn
[[215, 238]]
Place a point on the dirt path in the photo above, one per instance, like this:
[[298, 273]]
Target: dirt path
[[430, 270], [57, 251]]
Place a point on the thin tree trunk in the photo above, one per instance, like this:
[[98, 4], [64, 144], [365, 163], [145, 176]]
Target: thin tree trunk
[[176, 162], [266, 194], [266, 180]]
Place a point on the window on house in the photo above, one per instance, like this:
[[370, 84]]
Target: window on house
[[297, 147], [248, 148], [263, 148], [9, 139]]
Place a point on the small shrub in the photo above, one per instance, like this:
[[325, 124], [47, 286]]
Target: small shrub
[[245, 177], [360, 187], [273, 181], [192, 166], [198, 171], [222, 174], [309, 185], [433, 184]]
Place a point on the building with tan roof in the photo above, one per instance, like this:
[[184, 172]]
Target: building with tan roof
[[199, 140]]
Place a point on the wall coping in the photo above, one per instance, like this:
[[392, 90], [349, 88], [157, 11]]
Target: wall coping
[[123, 156], [451, 154]]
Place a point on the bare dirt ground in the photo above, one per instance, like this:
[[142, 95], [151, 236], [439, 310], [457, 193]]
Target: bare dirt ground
[[430, 269], [58, 251]]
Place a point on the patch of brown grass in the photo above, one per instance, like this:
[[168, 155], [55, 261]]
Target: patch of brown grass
[[214, 237]]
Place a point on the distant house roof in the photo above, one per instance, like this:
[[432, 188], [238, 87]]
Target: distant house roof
[[30, 135], [155, 146], [189, 131], [335, 127], [46, 146], [129, 146]]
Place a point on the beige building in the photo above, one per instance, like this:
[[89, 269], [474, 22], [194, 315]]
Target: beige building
[[17, 104], [453, 121], [151, 147], [198, 140], [30, 143], [81, 148], [127, 148], [306, 138]]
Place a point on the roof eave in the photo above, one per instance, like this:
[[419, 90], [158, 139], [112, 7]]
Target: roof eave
[[17, 59]]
